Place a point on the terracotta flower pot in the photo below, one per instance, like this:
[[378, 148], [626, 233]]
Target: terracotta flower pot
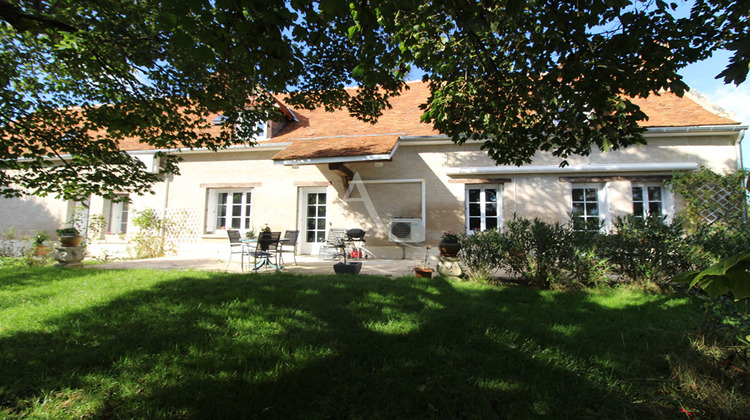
[[41, 251], [423, 272], [449, 249]]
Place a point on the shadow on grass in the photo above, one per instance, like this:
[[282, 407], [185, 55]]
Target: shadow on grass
[[281, 346]]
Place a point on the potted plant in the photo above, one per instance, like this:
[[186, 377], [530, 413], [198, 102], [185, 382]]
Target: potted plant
[[40, 249], [263, 238], [423, 268], [450, 244], [69, 237]]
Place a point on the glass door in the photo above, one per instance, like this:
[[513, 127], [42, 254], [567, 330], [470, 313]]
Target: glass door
[[312, 219]]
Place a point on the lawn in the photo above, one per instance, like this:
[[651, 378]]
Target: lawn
[[96, 343]]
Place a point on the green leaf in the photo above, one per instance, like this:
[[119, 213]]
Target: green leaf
[[167, 19]]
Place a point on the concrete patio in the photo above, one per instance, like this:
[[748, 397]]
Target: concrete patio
[[305, 264]]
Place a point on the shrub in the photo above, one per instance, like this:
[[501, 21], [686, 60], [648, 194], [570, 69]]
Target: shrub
[[150, 240], [482, 253], [646, 250]]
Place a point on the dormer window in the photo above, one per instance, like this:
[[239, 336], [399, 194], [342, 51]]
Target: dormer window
[[259, 132]]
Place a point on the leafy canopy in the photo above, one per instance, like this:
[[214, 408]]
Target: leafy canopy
[[83, 80]]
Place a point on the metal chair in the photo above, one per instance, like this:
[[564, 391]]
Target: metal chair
[[266, 247], [333, 247], [290, 245], [235, 246]]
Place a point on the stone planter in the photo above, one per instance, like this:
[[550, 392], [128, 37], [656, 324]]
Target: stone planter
[[347, 268], [449, 249]]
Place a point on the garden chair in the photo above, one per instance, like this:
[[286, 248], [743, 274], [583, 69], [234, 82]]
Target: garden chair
[[235, 246], [266, 247], [289, 245]]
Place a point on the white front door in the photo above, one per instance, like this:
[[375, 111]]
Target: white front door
[[313, 206]]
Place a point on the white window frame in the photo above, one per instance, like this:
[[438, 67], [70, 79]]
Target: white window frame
[[212, 207], [602, 199], [263, 125], [482, 204], [667, 199], [118, 210]]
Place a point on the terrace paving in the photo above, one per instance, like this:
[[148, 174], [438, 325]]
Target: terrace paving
[[305, 265]]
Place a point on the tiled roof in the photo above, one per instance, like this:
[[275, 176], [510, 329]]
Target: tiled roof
[[314, 133], [669, 110]]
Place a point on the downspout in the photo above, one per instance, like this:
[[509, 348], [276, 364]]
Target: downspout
[[164, 210], [741, 166], [738, 145]]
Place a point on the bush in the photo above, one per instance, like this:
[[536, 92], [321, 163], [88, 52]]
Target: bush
[[646, 250], [482, 253], [150, 240]]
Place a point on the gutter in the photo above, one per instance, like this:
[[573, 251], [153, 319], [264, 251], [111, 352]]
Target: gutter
[[259, 147], [697, 130], [572, 169]]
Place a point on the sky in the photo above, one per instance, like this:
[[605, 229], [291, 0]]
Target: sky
[[735, 99]]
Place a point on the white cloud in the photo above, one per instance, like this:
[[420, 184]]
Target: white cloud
[[733, 99]]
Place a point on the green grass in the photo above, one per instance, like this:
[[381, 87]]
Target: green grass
[[158, 344]]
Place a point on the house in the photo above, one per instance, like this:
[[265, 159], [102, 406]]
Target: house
[[400, 181]]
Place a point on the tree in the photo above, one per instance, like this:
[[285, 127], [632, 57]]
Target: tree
[[82, 80]]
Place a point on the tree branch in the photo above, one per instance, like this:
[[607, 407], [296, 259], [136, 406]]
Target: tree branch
[[24, 22]]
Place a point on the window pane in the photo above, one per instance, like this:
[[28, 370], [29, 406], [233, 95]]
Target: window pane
[[490, 195], [322, 211], [577, 194], [474, 223], [321, 237], [236, 223], [321, 224], [578, 208], [491, 210], [474, 196], [637, 194], [474, 210], [310, 236], [592, 209], [491, 223], [638, 209], [654, 193], [310, 224], [311, 211], [654, 208], [591, 194], [223, 198]]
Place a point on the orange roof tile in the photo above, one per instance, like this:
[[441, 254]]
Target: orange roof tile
[[404, 116], [669, 110]]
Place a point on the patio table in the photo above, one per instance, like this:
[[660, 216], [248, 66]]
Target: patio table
[[265, 257]]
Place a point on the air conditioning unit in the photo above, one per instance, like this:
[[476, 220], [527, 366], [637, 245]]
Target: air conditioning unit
[[406, 230]]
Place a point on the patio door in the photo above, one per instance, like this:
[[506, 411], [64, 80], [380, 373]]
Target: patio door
[[312, 219]]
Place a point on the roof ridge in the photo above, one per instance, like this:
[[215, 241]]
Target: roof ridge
[[699, 98]]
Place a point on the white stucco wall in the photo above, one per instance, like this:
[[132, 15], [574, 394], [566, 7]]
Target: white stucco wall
[[276, 189]]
